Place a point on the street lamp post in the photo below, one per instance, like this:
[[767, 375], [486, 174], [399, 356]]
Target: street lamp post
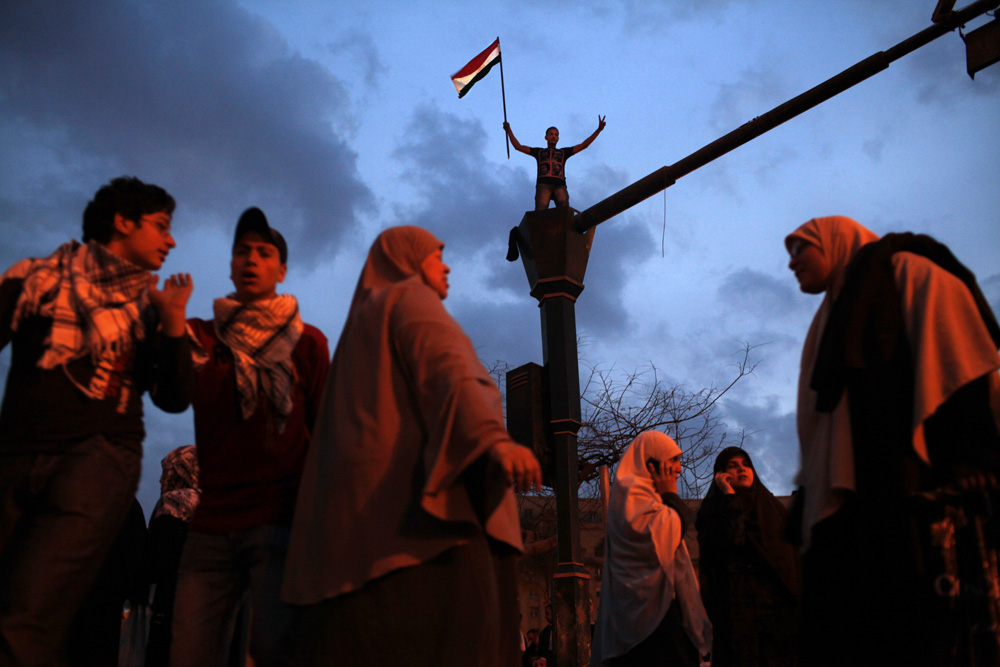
[[555, 258]]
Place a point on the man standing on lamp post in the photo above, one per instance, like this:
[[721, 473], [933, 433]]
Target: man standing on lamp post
[[551, 181]]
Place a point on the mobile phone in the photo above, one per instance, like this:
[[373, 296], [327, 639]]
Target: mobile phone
[[655, 462]]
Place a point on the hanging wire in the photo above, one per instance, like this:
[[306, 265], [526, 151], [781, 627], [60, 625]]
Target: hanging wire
[[663, 238]]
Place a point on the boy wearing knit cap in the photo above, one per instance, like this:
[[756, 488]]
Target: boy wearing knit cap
[[260, 371]]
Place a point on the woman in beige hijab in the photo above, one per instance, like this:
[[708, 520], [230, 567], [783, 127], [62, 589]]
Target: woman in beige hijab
[[406, 523], [898, 372]]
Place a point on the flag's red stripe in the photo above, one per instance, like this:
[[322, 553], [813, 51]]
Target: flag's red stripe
[[486, 70], [477, 62]]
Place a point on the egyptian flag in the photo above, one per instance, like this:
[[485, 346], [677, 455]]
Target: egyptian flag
[[477, 68]]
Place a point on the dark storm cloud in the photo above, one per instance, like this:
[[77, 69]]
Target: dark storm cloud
[[472, 203], [874, 149], [650, 16], [508, 332], [647, 16], [763, 295], [464, 197], [202, 98], [938, 72], [620, 246], [37, 227]]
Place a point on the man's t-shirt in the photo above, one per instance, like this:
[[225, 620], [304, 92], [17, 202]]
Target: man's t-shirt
[[551, 164]]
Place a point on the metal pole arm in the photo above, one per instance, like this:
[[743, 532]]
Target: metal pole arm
[[664, 177]]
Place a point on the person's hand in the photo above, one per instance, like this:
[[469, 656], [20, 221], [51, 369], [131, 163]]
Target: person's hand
[[664, 478], [600, 122], [506, 126], [519, 464], [724, 482], [171, 301]]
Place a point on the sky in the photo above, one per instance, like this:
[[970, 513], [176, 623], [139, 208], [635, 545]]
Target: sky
[[340, 120]]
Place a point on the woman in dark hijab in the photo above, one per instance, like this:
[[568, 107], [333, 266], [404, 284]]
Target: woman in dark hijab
[[750, 577]]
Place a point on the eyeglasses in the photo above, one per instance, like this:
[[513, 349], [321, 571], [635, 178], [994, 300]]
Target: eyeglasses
[[798, 245]]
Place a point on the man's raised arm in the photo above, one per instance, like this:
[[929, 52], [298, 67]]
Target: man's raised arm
[[589, 140], [514, 142]]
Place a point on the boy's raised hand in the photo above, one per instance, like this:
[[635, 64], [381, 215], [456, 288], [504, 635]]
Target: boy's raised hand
[[171, 302]]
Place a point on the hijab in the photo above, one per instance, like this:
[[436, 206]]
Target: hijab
[[407, 416], [764, 520], [179, 490], [947, 329], [395, 256], [827, 455], [647, 564]]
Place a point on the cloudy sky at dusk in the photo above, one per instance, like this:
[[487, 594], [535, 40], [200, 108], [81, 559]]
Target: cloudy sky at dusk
[[339, 120]]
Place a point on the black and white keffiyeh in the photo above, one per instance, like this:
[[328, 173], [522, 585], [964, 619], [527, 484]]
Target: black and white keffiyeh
[[262, 335], [94, 298]]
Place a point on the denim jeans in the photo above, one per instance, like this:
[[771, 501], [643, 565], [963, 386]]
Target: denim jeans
[[217, 573], [59, 516]]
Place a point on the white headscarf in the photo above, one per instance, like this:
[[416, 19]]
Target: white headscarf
[[646, 564], [949, 343], [827, 465]]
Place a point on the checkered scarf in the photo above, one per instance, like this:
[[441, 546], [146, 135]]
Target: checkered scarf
[[179, 491], [94, 298], [262, 335]]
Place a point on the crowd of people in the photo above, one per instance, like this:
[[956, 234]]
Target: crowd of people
[[419, 503], [361, 509]]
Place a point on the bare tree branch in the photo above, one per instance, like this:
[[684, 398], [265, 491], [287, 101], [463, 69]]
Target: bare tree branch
[[617, 406]]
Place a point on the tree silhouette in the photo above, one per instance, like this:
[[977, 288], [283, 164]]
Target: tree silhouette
[[617, 406]]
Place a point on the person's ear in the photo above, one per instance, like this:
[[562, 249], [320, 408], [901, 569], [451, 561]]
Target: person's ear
[[282, 273], [122, 225]]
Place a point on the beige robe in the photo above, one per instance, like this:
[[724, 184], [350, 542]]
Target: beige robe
[[408, 409]]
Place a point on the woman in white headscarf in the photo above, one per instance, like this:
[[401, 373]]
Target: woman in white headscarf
[[406, 523], [650, 610], [898, 370]]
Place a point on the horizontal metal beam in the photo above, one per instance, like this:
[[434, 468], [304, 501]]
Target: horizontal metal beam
[[666, 176]]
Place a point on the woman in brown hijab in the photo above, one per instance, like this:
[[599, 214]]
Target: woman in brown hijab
[[406, 524]]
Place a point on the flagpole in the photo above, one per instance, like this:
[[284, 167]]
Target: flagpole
[[503, 96]]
